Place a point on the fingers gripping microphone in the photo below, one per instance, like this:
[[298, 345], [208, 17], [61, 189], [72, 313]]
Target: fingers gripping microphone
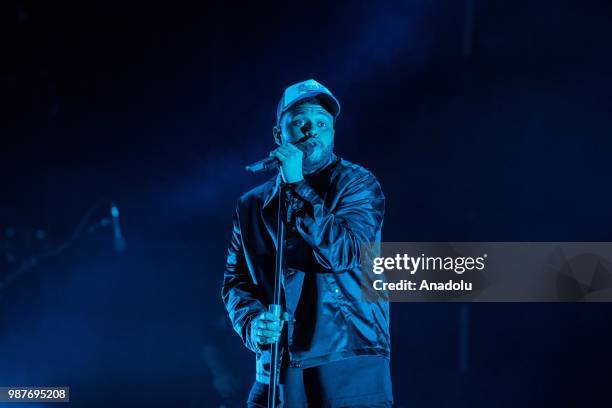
[[271, 163], [119, 241]]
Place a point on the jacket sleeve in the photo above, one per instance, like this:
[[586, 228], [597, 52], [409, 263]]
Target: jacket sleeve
[[337, 236], [239, 292]]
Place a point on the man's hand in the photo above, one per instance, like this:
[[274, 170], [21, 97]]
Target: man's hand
[[266, 328], [291, 162]]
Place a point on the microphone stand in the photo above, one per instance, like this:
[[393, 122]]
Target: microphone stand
[[276, 307]]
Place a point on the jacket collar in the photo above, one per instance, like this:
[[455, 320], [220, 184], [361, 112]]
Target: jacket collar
[[272, 188]]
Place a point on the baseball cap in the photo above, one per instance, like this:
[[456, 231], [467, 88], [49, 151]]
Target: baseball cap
[[307, 89]]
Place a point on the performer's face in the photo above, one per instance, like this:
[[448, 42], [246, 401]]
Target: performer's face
[[309, 119]]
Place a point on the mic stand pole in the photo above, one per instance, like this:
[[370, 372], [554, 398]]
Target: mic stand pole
[[276, 307]]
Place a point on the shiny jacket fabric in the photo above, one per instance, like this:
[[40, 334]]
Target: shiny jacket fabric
[[335, 211]]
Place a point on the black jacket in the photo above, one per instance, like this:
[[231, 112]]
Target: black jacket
[[335, 211]]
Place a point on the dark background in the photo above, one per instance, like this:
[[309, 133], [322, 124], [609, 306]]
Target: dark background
[[483, 120]]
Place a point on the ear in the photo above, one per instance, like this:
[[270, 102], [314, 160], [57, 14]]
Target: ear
[[276, 131]]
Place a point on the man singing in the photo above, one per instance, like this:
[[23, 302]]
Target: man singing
[[335, 346]]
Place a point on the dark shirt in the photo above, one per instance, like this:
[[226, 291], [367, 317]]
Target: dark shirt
[[336, 211]]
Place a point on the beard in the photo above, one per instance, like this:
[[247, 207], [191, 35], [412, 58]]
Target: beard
[[319, 158]]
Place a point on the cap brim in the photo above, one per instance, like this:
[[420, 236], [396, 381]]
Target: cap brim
[[332, 102]]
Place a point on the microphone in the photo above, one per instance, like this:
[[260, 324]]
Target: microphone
[[270, 163], [119, 242]]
